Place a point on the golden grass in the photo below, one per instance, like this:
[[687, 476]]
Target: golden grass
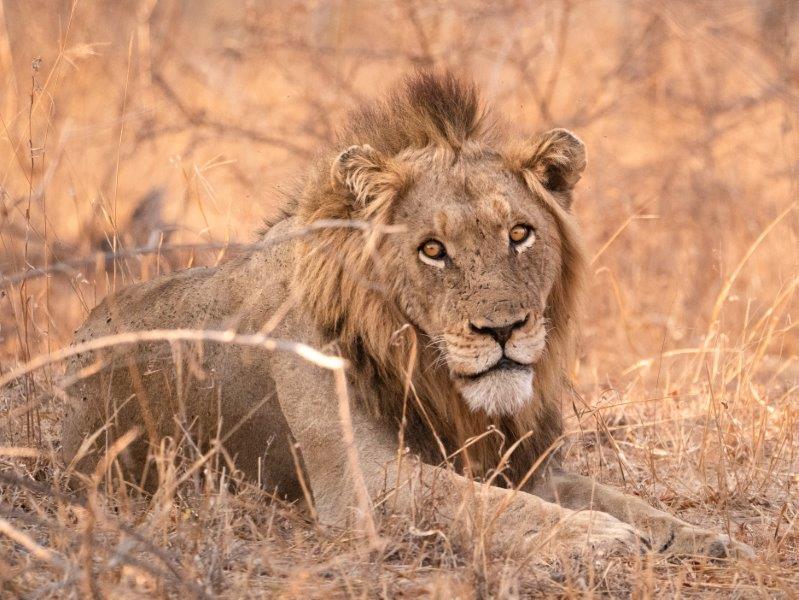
[[142, 137]]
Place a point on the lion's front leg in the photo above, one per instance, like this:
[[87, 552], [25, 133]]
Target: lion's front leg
[[667, 533], [511, 521]]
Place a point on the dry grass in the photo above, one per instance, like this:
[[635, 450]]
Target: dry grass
[[151, 134]]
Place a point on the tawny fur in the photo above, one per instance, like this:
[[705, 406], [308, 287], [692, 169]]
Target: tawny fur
[[429, 161], [444, 117]]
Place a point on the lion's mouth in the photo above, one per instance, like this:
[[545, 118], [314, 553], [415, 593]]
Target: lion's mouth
[[503, 364]]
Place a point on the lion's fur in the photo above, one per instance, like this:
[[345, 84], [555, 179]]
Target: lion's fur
[[429, 158], [334, 265], [337, 275]]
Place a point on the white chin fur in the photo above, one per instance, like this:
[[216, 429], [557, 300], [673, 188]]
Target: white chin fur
[[498, 393]]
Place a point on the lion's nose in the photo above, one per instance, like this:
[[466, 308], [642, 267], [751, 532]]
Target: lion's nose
[[500, 333]]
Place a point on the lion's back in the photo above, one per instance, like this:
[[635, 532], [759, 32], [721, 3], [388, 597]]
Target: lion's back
[[147, 384]]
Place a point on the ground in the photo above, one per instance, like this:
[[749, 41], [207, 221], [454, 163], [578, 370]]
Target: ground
[[141, 137]]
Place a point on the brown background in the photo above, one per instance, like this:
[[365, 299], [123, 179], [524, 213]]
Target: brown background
[[128, 124]]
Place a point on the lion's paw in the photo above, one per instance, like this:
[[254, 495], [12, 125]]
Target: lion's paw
[[693, 541], [602, 535]]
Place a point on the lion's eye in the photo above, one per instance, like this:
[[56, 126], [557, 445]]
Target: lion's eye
[[519, 233], [521, 236], [433, 253]]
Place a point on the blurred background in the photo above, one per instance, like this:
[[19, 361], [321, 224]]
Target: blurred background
[[135, 124], [143, 136]]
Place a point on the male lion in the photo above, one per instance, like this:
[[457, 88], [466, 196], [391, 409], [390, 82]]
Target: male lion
[[450, 290]]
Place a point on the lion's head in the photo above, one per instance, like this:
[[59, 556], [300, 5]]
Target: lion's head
[[481, 263]]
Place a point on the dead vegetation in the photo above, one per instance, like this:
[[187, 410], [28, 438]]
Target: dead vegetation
[[144, 136]]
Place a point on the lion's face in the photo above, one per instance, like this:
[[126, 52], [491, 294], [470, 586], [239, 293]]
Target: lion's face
[[478, 253], [474, 267]]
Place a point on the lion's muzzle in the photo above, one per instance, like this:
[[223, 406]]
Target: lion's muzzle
[[492, 366], [481, 346]]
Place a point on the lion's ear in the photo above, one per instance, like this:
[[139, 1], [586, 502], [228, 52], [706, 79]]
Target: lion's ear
[[556, 159], [368, 177]]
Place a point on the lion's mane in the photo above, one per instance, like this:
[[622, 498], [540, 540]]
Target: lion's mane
[[391, 360]]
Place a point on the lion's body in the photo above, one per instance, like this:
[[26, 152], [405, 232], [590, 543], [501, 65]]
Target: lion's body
[[188, 392], [226, 391], [461, 357]]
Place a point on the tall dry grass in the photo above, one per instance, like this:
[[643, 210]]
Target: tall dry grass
[[140, 137]]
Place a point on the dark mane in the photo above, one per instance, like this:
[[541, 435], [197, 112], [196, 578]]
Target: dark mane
[[425, 108], [430, 112]]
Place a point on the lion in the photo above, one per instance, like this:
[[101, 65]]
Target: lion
[[440, 259]]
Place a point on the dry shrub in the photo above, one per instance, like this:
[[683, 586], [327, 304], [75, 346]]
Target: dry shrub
[[140, 137]]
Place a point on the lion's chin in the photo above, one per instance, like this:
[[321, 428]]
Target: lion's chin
[[501, 392]]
